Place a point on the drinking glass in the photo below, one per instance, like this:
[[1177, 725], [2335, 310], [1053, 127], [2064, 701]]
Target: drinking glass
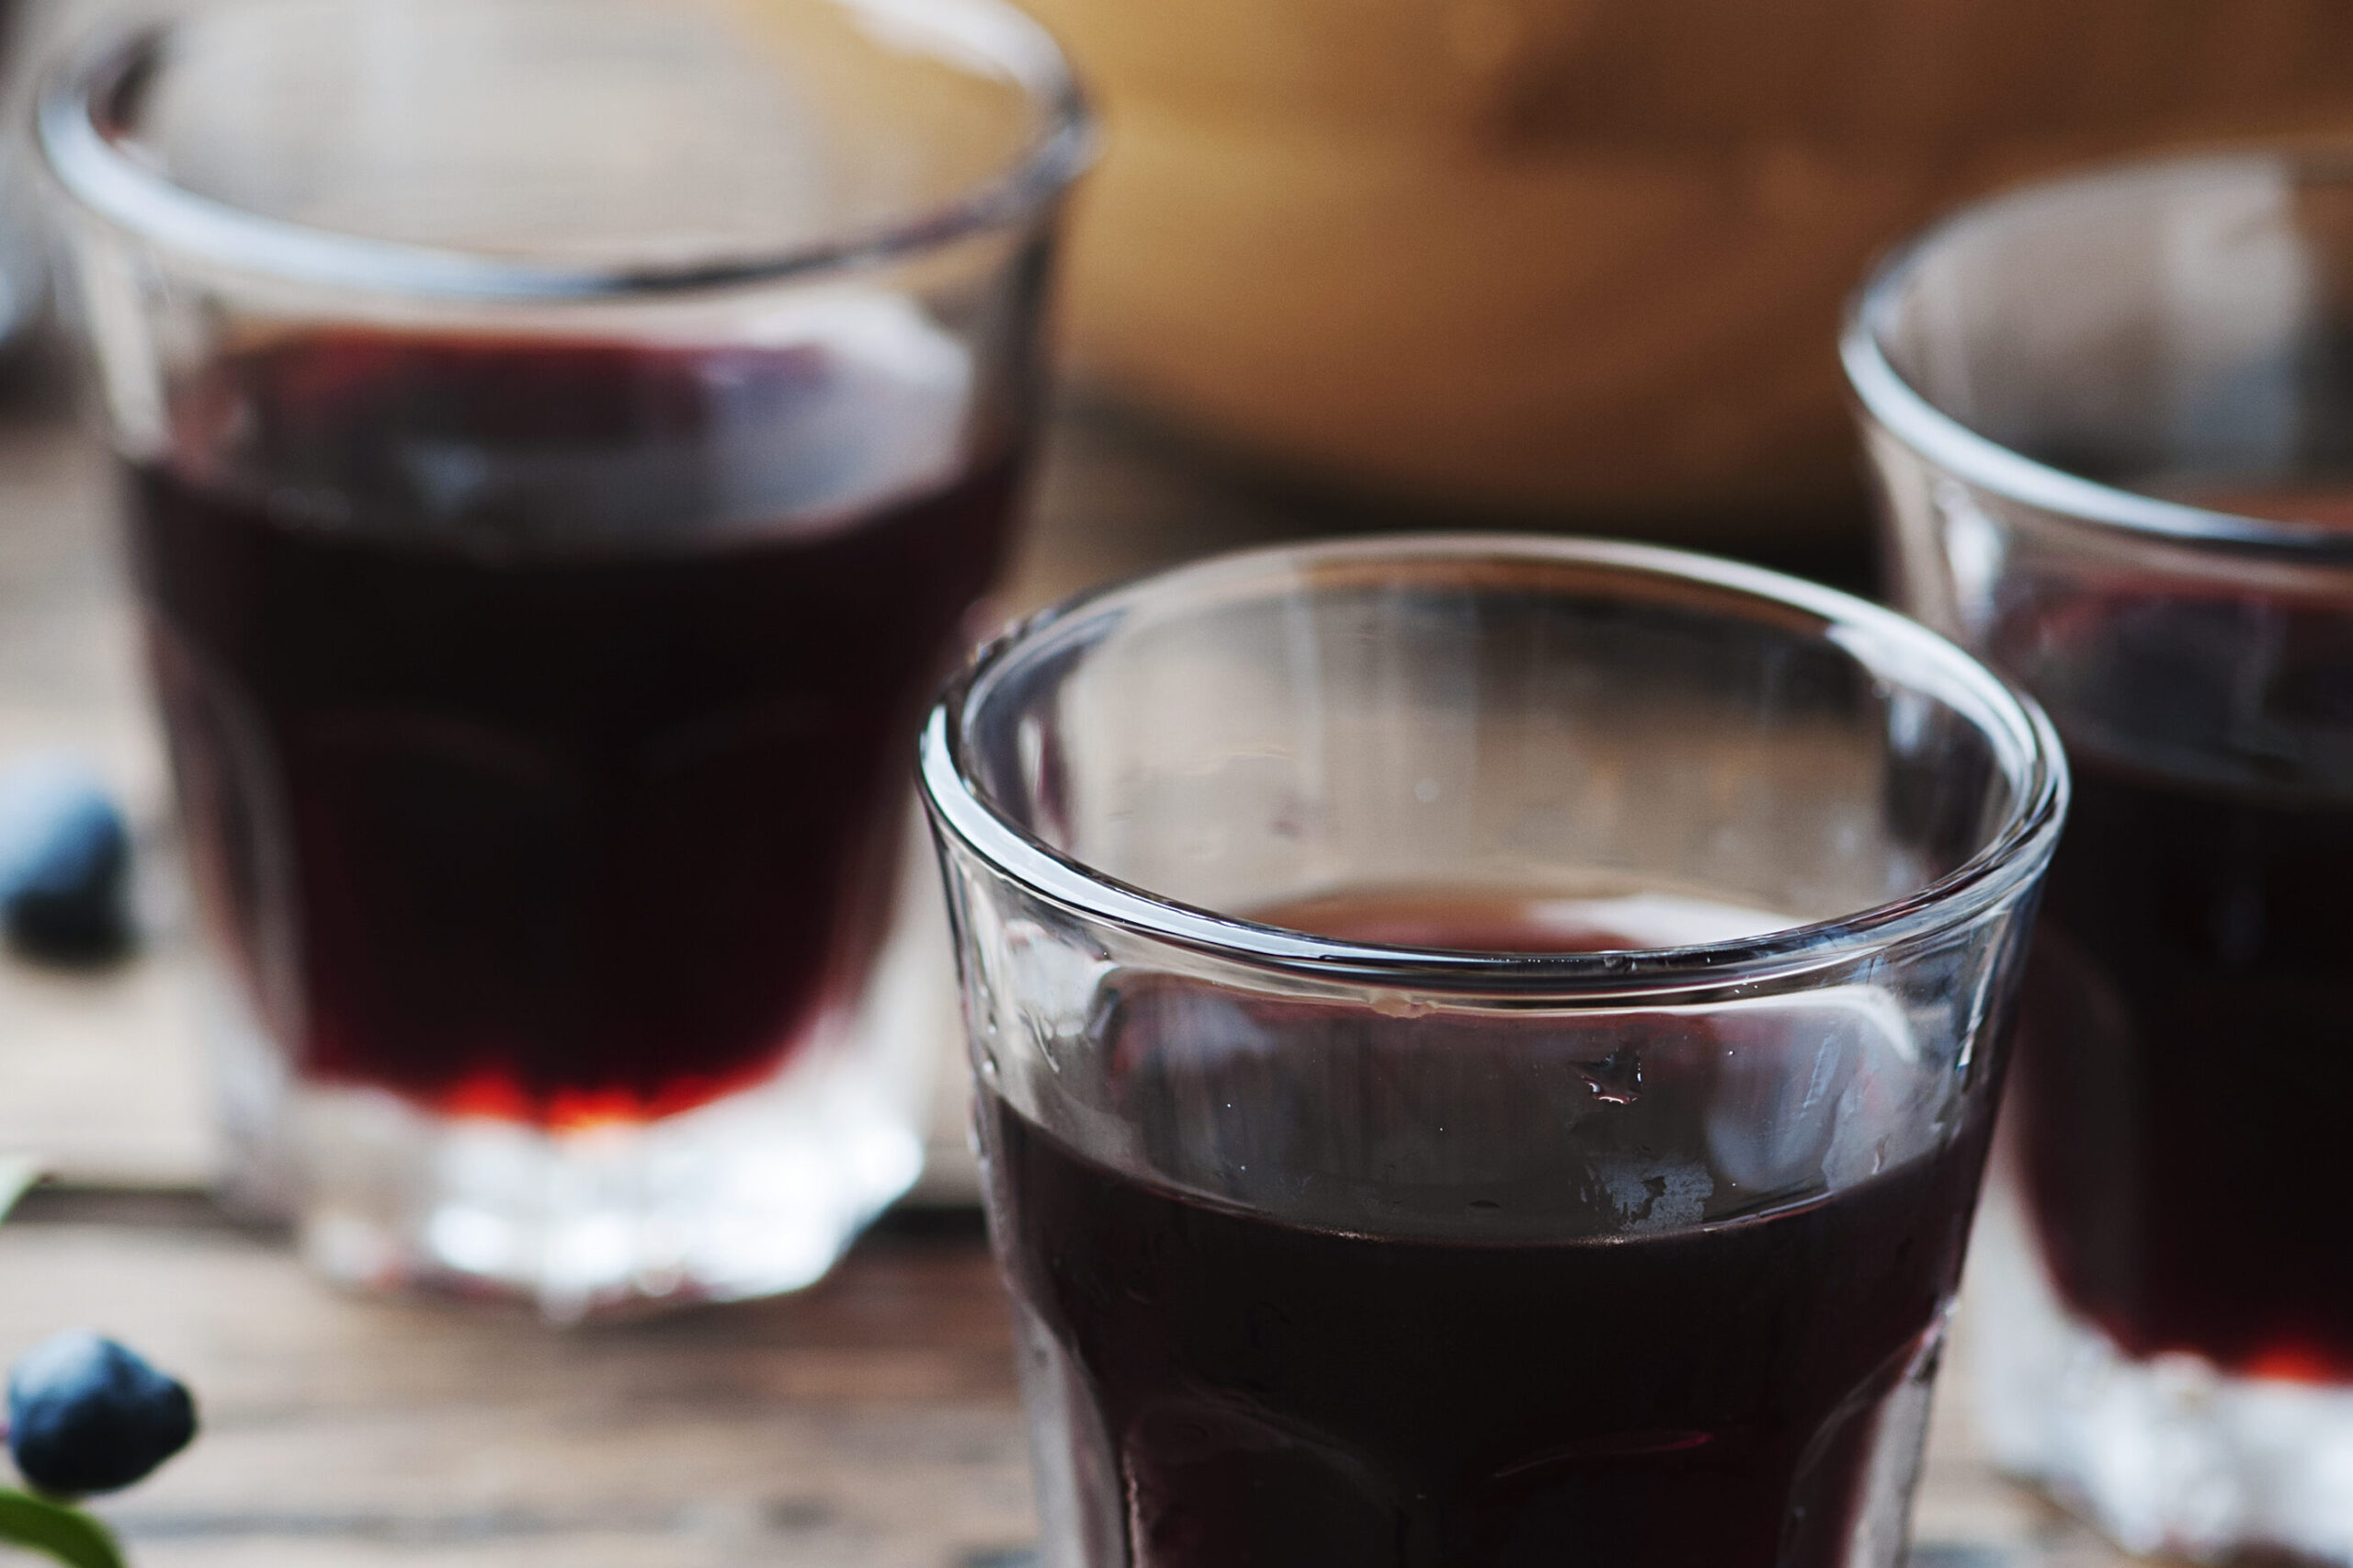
[[562, 441], [2112, 419], [1484, 1048]]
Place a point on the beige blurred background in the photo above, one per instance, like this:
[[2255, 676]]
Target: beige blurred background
[[1568, 262], [1584, 259]]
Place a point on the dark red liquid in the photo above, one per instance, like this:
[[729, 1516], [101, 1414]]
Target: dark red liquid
[[1629, 1353], [2187, 1054], [498, 801]]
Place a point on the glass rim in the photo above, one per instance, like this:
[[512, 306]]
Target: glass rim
[[1879, 638], [92, 168], [1980, 460]]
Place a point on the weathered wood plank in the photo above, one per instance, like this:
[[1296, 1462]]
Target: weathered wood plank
[[869, 1421]]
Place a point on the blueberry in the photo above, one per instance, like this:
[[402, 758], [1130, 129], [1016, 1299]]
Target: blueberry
[[84, 1415], [65, 860]]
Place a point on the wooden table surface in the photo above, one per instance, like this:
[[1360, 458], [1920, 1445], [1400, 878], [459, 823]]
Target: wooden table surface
[[869, 1421]]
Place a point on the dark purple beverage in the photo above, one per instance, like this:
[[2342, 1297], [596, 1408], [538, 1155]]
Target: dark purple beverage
[[1661, 1350], [499, 802], [2187, 1045]]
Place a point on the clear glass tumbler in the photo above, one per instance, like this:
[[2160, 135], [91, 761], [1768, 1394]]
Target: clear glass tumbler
[[1484, 1047], [2113, 423], [563, 441]]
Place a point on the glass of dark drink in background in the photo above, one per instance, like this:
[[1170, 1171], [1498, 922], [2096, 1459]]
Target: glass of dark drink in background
[[564, 441], [2112, 421], [1484, 1048]]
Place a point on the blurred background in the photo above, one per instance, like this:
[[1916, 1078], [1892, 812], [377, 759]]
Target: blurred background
[[1580, 261], [1570, 263]]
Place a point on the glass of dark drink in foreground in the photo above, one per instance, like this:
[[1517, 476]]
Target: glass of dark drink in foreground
[[564, 440], [2112, 418], [1485, 1047]]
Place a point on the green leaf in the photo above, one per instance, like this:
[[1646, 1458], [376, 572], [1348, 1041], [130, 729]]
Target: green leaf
[[55, 1530], [18, 1173]]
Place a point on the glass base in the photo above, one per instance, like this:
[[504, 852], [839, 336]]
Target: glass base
[[751, 1195], [2167, 1455]]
